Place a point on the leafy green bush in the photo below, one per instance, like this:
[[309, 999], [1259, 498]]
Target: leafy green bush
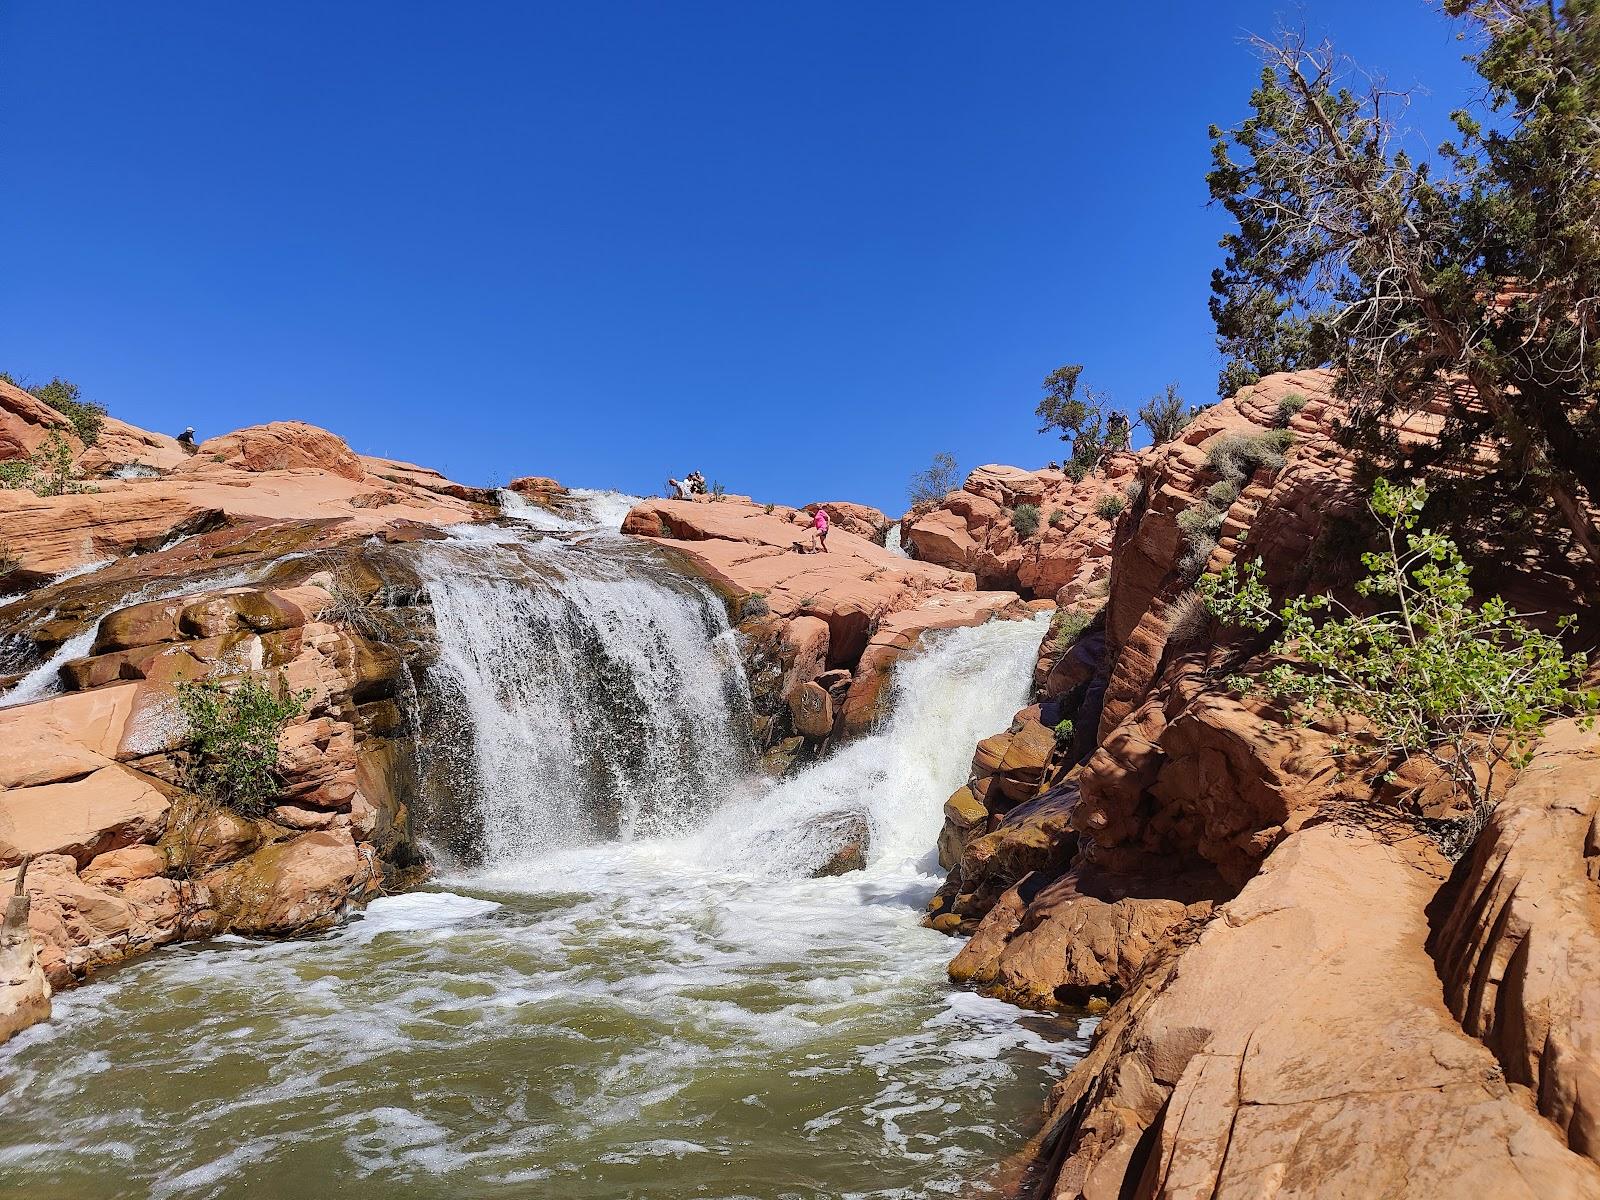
[[1237, 455], [1064, 731], [17, 473], [1288, 407], [1057, 518], [1437, 677], [1109, 508], [1075, 470], [1025, 520], [235, 732]]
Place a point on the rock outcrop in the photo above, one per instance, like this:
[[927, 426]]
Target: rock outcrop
[[1303, 998], [1065, 559], [850, 613], [1297, 1044]]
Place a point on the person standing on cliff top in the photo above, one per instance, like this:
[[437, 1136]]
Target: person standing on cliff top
[[819, 529]]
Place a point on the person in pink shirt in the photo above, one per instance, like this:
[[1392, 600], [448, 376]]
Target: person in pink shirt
[[819, 529]]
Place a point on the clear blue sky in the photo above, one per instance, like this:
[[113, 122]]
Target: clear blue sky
[[799, 246]]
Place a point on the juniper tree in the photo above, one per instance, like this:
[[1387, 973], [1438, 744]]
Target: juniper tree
[[1409, 276]]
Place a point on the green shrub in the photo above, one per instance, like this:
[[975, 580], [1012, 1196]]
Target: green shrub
[[1223, 493], [1110, 507], [1288, 407], [1064, 731], [1058, 518], [1200, 520], [1164, 415], [17, 473], [1434, 676], [1238, 455], [234, 732], [1025, 520], [1134, 491], [47, 472], [1066, 627], [1075, 470]]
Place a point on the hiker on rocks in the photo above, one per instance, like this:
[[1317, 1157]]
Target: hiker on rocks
[[819, 529], [186, 439], [697, 483], [681, 489], [1118, 432]]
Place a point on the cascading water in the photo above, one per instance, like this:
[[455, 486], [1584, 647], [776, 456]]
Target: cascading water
[[600, 696], [679, 1011]]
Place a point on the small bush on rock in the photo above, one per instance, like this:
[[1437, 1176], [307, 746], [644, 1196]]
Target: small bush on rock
[[1188, 619], [1025, 520], [1193, 563], [235, 733], [1057, 518], [48, 472], [1164, 415], [1066, 627], [1238, 455], [1064, 730], [1459, 684], [935, 481], [1223, 493], [1109, 508], [1288, 407]]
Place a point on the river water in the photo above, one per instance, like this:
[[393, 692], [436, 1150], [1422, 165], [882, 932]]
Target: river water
[[661, 1005]]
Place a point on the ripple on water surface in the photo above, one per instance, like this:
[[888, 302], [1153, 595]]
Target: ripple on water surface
[[606, 1023]]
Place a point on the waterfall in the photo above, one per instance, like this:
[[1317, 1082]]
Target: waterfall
[[889, 787], [589, 693]]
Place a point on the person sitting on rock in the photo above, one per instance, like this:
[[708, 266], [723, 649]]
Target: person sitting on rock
[[186, 439], [819, 529], [681, 489], [697, 483]]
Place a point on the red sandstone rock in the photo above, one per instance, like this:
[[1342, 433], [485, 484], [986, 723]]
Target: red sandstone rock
[[1520, 951], [124, 446], [1300, 1047], [860, 519], [280, 446], [290, 887], [26, 422]]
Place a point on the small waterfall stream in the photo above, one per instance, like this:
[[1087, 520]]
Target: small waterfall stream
[[628, 985]]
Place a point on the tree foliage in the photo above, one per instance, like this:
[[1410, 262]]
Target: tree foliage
[[1409, 276], [1463, 685], [935, 481], [1164, 415], [1084, 417], [234, 731]]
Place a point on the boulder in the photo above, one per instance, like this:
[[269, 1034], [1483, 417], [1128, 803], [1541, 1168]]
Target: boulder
[[290, 887], [283, 446], [811, 709]]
